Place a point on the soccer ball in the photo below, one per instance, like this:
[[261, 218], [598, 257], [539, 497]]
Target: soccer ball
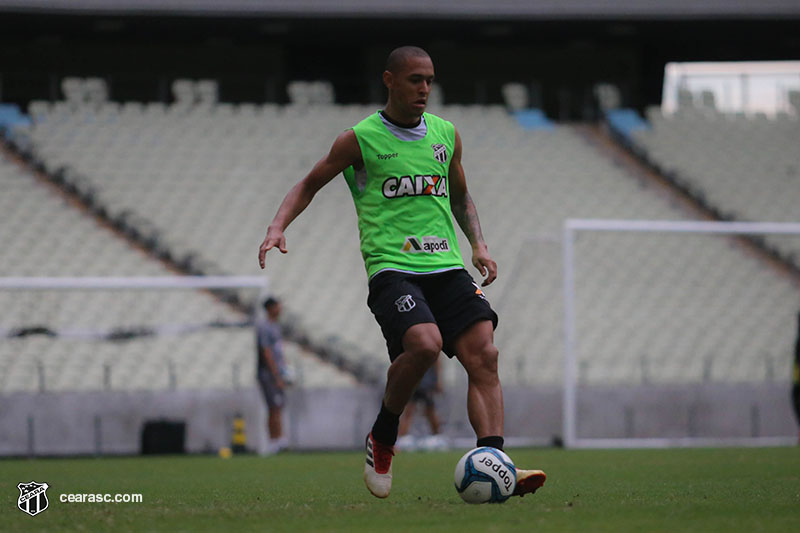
[[485, 475]]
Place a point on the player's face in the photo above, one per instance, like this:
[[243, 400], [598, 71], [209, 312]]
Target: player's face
[[274, 310], [410, 86]]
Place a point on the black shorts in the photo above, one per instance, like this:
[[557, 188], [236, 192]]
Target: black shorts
[[451, 300], [424, 395]]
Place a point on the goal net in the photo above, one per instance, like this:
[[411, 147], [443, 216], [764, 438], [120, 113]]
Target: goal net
[[87, 363], [116, 334], [678, 333]]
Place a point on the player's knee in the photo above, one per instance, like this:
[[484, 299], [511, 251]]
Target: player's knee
[[424, 353], [483, 363], [489, 355], [423, 345]]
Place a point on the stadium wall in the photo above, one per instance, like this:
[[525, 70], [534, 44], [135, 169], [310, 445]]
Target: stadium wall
[[99, 423]]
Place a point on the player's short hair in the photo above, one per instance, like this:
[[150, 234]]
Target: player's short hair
[[269, 302], [399, 56]]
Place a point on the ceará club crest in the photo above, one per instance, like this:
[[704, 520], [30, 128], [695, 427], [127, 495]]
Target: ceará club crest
[[32, 497]]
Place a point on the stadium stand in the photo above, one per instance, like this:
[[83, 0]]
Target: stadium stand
[[45, 235], [747, 166], [209, 177]]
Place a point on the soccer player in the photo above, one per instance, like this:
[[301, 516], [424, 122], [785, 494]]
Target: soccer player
[[270, 372], [796, 376], [403, 168]]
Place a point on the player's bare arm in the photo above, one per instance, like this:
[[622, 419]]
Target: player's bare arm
[[344, 153], [466, 215]]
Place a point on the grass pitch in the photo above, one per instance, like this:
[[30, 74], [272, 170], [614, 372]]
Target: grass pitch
[[599, 490]]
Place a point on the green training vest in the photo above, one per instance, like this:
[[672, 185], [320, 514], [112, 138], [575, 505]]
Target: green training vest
[[402, 198]]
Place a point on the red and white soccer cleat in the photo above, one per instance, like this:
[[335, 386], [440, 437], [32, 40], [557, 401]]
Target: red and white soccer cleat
[[528, 481], [378, 468]]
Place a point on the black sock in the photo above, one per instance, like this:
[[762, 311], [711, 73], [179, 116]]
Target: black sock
[[494, 441], [385, 428]]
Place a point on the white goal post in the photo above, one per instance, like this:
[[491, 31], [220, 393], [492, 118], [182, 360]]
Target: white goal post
[[571, 228]]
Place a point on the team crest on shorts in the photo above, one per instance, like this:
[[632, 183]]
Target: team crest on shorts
[[405, 303], [32, 497], [439, 152]]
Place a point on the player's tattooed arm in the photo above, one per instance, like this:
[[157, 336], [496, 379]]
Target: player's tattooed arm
[[466, 214]]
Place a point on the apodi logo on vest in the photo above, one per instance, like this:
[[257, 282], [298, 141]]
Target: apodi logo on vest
[[429, 244]]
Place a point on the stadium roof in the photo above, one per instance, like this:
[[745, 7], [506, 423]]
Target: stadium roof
[[542, 9]]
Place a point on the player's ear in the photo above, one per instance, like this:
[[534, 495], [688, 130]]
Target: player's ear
[[388, 79]]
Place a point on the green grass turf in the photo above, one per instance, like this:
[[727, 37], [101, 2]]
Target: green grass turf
[[597, 490]]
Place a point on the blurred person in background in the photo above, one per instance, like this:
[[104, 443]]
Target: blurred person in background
[[271, 372], [796, 376], [425, 396]]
